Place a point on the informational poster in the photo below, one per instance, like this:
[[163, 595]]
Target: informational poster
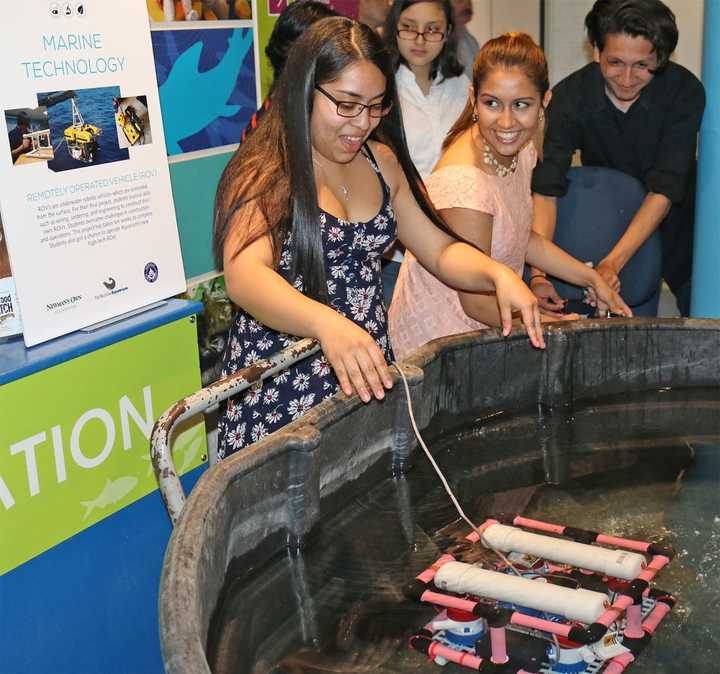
[[84, 182]]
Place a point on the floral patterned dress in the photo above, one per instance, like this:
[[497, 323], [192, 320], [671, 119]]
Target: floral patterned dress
[[352, 267]]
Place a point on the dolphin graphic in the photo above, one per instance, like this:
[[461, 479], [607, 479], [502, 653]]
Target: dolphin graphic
[[113, 491], [196, 98]]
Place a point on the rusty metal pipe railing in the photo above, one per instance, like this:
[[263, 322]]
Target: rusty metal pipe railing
[[168, 480]]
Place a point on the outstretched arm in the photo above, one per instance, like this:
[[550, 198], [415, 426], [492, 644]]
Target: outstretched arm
[[457, 264], [647, 219], [548, 257], [253, 284]]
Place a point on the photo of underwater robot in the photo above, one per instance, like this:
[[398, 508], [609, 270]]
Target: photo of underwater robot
[[132, 121], [81, 136], [80, 124]]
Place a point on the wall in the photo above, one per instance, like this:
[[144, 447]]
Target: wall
[[565, 44]]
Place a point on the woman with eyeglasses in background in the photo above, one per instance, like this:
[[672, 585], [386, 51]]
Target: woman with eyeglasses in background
[[304, 211], [432, 88]]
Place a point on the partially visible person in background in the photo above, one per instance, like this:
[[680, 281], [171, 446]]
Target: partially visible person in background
[[421, 39], [18, 143], [373, 12], [468, 46], [290, 25], [633, 110]]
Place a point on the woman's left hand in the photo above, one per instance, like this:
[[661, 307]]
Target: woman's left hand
[[513, 295]]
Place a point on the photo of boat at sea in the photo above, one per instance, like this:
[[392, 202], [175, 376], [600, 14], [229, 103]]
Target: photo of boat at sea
[[82, 126]]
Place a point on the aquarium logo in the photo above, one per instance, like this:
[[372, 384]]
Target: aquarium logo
[[64, 304], [151, 272], [111, 285]]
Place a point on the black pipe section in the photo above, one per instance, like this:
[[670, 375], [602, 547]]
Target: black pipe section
[[587, 635], [495, 616], [415, 588], [662, 597], [664, 549], [420, 643], [581, 535], [636, 646]]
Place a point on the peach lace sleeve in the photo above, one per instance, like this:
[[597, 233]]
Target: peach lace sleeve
[[462, 186]]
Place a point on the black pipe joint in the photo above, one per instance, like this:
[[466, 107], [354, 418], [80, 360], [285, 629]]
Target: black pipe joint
[[587, 635], [636, 590], [662, 597], [636, 646], [581, 535], [664, 549], [414, 590]]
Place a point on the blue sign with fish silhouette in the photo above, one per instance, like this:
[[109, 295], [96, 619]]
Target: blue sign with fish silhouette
[[206, 79]]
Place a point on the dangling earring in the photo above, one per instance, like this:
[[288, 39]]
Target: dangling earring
[[474, 117]]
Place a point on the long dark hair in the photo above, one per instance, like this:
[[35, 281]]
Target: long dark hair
[[290, 25], [509, 50], [273, 170], [650, 19], [446, 62]]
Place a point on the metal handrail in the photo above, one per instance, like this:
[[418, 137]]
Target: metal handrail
[[171, 489]]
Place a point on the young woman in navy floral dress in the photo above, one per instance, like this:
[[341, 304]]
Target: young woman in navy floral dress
[[304, 212]]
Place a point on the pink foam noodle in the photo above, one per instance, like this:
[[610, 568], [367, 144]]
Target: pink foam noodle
[[498, 645], [537, 524], [627, 543], [473, 536], [429, 573], [618, 664], [657, 563], [615, 611], [633, 628], [439, 599], [523, 620], [656, 616], [459, 657]]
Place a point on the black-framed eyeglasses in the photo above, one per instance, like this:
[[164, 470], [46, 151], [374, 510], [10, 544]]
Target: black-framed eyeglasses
[[430, 35], [353, 109]]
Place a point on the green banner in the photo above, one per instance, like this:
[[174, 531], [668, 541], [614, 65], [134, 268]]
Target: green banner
[[74, 439]]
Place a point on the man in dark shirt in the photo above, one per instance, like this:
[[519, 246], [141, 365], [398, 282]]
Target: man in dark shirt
[[634, 111], [18, 144]]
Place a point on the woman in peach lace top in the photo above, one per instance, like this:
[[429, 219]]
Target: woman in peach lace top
[[481, 186]]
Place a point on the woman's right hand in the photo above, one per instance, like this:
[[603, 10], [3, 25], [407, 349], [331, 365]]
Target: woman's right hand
[[548, 299], [357, 360], [513, 295]]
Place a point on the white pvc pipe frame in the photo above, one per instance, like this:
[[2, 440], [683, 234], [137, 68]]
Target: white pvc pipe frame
[[171, 489]]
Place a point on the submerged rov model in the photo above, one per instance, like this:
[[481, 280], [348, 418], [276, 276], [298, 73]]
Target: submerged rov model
[[556, 604], [81, 137]]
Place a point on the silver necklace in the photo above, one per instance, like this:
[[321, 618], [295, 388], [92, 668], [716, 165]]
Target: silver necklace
[[343, 188], [500, 169]]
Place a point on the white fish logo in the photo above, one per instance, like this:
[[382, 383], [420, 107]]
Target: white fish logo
[[113, 491], [189, 455], [184, 450]]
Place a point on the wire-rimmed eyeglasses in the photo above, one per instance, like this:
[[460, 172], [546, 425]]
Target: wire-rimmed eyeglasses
[[430, 35], [353, 109]]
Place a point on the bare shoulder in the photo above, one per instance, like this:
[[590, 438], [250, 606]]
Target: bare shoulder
[[387, 163]]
